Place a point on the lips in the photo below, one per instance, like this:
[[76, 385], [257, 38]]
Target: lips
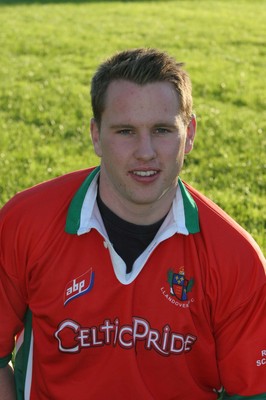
[[145, 173]]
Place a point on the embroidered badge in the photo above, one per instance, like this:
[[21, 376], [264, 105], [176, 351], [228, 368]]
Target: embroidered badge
[[179, 290], [179, 285], [79, 286]]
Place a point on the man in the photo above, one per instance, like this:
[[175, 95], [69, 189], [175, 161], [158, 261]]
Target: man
[[123, 281]]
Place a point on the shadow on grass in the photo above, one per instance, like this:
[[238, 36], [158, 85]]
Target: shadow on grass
[[32, 2]]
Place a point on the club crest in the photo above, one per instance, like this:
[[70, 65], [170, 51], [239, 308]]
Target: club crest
[[179, 285]]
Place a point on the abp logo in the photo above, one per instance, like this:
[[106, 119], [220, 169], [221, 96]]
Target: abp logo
[[79, 286]]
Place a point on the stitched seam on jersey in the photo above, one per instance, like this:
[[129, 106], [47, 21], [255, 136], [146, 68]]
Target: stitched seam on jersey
[[243, 303]]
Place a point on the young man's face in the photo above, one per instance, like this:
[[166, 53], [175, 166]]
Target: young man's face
[[141, 141]]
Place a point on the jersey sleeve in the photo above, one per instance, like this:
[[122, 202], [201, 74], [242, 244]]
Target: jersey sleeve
[[235, 291], [240, 330], [13, 302]]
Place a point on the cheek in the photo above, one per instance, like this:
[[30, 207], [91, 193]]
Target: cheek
[[116, 151], [176, 151], [104, 147], [111, 155]]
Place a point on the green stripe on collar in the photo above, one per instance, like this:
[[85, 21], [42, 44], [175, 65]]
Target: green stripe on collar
[[190, 209], [74, 210]]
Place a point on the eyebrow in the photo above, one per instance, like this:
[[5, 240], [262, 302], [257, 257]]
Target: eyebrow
[[120, 126], [157, 125], [165, 124]]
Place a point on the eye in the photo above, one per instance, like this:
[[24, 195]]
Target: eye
[[125, 131], [162, 131]]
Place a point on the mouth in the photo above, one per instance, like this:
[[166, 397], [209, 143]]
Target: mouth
[[145, 176], [145, 173]]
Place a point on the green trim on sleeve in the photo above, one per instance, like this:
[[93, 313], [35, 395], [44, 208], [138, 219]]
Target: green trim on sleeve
[[74, 211], [190, 209], [22, 356], [226, 396], [5, 360]]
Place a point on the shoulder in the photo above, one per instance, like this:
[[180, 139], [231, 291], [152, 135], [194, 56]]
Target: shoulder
[[232, 264], [215, 220], [221, 235], [42, 203], [56, 189]]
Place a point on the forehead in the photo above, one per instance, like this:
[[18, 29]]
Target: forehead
[[127, 97]]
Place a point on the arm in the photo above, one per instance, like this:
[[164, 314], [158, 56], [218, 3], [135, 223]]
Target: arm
[[12, 306], [7, 384], [240, 338]]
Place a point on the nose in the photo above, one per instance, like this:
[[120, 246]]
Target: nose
[[145, 147]]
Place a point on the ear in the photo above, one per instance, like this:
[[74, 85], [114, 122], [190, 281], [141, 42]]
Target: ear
[[95, 137], [191, 132]]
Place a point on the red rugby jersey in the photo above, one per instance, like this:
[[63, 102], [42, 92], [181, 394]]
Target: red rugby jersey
[[189, 320]]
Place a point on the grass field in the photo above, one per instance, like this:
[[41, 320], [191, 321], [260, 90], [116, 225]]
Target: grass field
[[49, 50]]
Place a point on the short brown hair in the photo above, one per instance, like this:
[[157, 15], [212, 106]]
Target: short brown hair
[[141, 66]]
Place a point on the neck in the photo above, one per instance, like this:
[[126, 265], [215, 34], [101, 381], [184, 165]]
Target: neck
[[139, 214]]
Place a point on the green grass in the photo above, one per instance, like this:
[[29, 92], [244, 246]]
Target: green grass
[[50, 49]]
